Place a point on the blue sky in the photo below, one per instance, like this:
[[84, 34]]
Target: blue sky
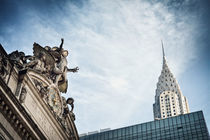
[[117, 46]]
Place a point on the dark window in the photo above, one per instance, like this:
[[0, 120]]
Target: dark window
[[134, 129], [157, 124], [119, 132], [110, 134], [115, 133], [139, 128], [178, 120], [200, 114], [148, 126], [191, 117], [153, 125], [196, 116], [143, 127]]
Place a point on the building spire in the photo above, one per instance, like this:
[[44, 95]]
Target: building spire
[[169, 100], [164, 58], [162, 48]]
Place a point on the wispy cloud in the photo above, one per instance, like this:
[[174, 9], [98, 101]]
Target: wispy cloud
[[117, 46]]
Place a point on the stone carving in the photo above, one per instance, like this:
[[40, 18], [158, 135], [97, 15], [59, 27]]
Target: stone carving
[[42, 89], [66, 111], [37, 63], [52, 63], [23, 94], [70, 101], [4, 68], [19, 58]]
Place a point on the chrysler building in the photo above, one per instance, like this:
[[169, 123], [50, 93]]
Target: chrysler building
[[169, 100]]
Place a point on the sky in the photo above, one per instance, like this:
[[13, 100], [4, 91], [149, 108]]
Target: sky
[[117, 46]]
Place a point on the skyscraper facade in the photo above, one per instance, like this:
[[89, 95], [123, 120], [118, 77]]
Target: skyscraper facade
[[169, 100], [190, 126]]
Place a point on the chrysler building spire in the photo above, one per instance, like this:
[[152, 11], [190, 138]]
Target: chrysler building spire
[[169, 100], [163, 49]]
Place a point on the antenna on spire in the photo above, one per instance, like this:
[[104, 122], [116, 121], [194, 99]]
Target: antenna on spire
[[162, 48]]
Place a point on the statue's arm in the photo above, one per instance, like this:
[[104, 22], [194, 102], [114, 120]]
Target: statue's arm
[[73, 69], [61, 45]]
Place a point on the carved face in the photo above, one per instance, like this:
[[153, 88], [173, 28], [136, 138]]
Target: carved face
[[65, 53], [70, 101]]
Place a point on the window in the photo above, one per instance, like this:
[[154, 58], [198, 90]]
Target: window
[[157, 124], [148, 126], [196, 116], [143, 126]]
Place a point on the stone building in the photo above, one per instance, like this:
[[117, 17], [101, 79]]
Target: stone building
[[169, 100], [31, 105]]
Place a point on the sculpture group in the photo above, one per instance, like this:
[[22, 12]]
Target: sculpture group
[[50, 63]]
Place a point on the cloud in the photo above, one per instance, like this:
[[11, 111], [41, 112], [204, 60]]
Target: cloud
[[117, 46], [120, 43]]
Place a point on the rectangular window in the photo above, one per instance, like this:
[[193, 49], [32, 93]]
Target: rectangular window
[[166, 122], [130, 130], [143, 127], [139, 128], [153, 125], [110, 134], [106, 135], [119, 132], [123, 131], [115, 133], [183, 119], [178, 120], [174, 120], [170, 122], [161, 124], [134, 129], [191, 117], [157, 125], [127, 131], [101, 136], [148, 126]]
